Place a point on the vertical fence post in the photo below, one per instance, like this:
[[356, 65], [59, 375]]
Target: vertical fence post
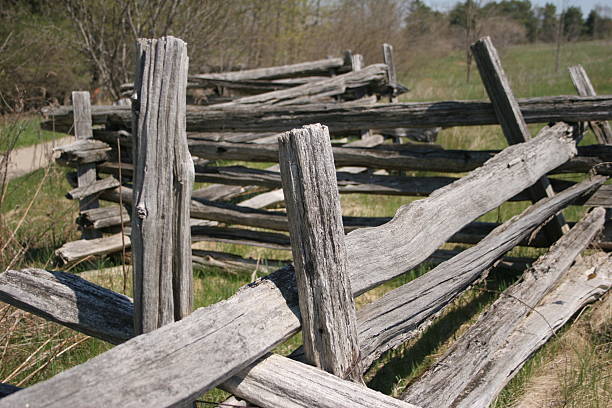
[[163, 180], [86, 173], [319, 251], [391, 73], [357, 63], [584, 87], [512, 122]]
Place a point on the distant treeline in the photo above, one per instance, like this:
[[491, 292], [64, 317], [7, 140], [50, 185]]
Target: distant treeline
[[48, 48]]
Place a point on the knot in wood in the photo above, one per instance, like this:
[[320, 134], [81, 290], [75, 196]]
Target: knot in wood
[[141, 211]]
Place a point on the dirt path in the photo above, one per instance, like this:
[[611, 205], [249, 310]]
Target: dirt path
[[28, 159]]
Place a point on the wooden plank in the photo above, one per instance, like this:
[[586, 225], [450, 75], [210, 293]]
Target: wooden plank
[[240, 236], [398, 316], [391, 73], [512, 122], [348, 183], [373, 78], [188, 357], [584, 87], [86, 172], [319, 67], [75, 250], [319, 251], [234, 263], [296, 385], [93, 188], [163, 180], [354, 116], [71, 301], [104, 217], [481, 190], [452, 381], [411, 157]]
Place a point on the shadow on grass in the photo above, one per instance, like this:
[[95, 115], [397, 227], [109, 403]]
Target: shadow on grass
[[402, 365]]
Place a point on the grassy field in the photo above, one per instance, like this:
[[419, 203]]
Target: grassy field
[[18, 131], [35, 219]]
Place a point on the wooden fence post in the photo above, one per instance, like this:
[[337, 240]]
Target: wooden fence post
[[392, 74], [512, 122], [86, 173], [319, 251], [163, 180], [584, 87]]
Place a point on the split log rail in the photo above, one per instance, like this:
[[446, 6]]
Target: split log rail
[[168, 355]]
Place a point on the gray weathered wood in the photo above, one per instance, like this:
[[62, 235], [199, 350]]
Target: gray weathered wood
[[70, 300], [512, 122], [7, 389], [575, 291], [409, 157], [104, 217], [452, 381], [233, 263], [75, 250], [278, 382], [373, 78], [391, 73], [584, 87], [319, 251], [163, 180], [355, 116], [264, 199], [188, 357], [452, 207], [348, 183], [397, 316], [319, 67], [241, 236], [93, 188], [86, 171]]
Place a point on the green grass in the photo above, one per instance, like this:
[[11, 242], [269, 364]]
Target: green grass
[[20, 132], [49, 222]]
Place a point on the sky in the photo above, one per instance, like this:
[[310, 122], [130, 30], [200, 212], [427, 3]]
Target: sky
[[585, 5]]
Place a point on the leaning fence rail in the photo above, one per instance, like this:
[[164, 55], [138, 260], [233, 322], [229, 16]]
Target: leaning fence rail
[[228, 344]]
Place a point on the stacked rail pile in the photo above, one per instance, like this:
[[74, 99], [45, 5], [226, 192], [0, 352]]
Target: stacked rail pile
[[229, 344]]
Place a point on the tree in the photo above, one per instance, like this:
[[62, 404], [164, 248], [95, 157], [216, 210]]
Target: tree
[[548, 23], [108, 30], [572, 23]]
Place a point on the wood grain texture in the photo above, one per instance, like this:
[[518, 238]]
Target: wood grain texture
[[278, 382], [511, 119], [373, 77], [391, 73], [457, 379], [323, 66], [104, 217], [351, 116], [71, 301], [188, 357], [348, 182], [450, 208], [584, 87], [86, 170], [319, 250], [397, 316], [163, 180], [93, 188], [75, 250], [409, 157]]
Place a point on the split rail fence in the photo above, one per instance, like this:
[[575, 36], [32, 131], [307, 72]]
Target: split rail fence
[[168, 355]]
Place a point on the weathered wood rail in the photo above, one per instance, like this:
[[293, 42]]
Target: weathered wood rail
[[351, 117], [166, 356]]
